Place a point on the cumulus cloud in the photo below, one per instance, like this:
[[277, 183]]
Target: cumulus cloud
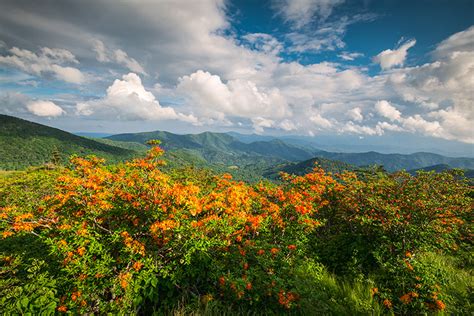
[[442, 89], [391, 58], [14, 103], [301, 12], [259, 123], [47, 61], [127, 99], [355, 114], [385, 109], [212, 98], [321, 122], [246, 79], [103, 54], [459, 42], [44, 108]]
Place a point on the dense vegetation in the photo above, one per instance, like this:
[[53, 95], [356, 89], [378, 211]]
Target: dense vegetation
[[246, 157], [24, 143], [134, 238], [240, 148]]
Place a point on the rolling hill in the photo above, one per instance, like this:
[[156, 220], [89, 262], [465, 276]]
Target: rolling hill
[[24, 143], [222, 147], [304, 167], [394, 162], [468, 173], [235, 148]]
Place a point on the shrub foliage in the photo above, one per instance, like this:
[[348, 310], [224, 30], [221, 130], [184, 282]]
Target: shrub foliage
[[130, 238]]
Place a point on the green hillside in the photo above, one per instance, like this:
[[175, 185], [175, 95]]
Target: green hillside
[[468, 173], [307, 166], [221, 147], [24, 143], [394, 162]]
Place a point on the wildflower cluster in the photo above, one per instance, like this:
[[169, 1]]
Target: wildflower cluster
[[129, 237]]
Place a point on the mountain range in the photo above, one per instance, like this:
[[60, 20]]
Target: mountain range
[[24, 143]]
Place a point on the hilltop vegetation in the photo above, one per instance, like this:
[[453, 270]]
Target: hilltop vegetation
[[132, 238], [246, 157], [395, 162], [24, 143]]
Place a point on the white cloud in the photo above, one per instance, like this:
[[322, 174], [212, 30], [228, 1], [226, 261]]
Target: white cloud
[[355, 114], [259, 123], [18, 104], [349, 56], [287, 125], [246, 79], [103, 54], [459, 42], [351, 127], [210, 97], [13, 103], [127, 99], [301, 12], [385, 109], [443, 87], [389, 127], [47, 61], [320, 121], [390, 58], [417, 123], [263, 42], [44, 108]]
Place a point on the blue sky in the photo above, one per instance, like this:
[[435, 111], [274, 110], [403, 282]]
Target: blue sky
[[369, 69]]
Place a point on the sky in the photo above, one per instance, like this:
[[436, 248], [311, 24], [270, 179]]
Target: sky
[[382, 69]]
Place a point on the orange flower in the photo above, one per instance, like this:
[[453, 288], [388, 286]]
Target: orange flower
[[408, 254], [222, 281], [260, 252], [75, 295], [291, 247], [81, 251], [246, 266], [406, 298], [6, 234], [374, 291], [274, 251], [62, 309], [137, 266], [387, 303], [248, 286], [440, 305], [124, 279]]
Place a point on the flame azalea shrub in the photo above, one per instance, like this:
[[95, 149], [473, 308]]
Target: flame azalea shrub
[[384, 224], [129, 236]]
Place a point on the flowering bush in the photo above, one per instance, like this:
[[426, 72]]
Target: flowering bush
[[131, 238]]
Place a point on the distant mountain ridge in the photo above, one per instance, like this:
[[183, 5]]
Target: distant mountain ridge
[[393, 162], [468, 173], [291, 150], [208, 144], [24, 143]]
